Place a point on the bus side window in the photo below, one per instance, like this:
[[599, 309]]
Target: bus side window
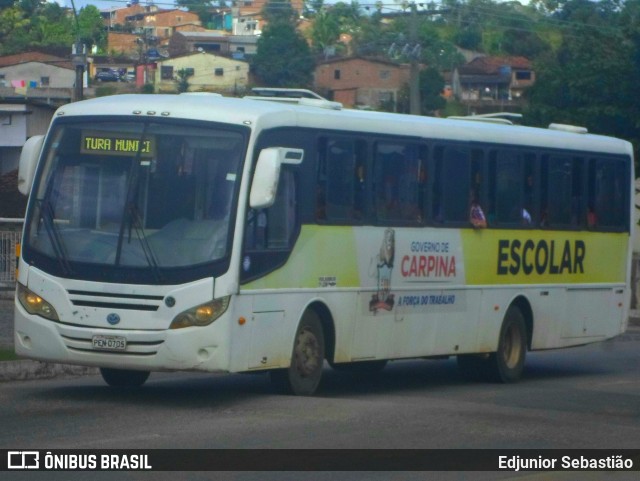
[[270, 233], [399, 177], [274, 228], [505, 187], [529, 212], [607, 202], [451, 186], [340, 193], [563, 191], [557, 201]]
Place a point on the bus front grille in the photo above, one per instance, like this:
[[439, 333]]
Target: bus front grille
[[82, 342], [107, 300]]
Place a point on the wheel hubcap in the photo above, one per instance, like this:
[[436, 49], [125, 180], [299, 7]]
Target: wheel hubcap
[[512, 347], [307, 353]]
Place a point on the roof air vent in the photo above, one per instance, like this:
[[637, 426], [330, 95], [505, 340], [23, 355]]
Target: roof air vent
[[569, 128]]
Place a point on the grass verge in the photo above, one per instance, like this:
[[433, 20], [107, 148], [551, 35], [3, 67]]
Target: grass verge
[[8, 355]]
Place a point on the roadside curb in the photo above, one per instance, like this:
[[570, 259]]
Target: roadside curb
[[26, 369]]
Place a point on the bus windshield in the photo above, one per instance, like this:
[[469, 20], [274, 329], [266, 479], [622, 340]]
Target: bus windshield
[[151, 195]]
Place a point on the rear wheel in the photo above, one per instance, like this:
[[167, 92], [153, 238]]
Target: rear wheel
[[303, 376], [507, 363], [123, 377]]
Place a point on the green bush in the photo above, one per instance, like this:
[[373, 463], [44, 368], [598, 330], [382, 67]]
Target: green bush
[[105, 90]]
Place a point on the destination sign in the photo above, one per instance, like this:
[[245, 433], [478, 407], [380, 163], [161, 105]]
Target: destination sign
[[116, 144]]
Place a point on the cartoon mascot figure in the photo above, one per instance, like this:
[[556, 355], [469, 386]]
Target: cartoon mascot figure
[[383, 299]]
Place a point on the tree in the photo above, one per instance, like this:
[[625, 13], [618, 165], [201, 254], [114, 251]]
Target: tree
[[51, 27], [202, 8], [90, 27], [14, 27], [431, 87], [283, 57], [279, 11], [183, 79], [325, 31], [590, 79]]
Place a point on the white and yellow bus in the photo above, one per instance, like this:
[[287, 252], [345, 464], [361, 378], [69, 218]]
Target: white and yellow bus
[[196, 232]]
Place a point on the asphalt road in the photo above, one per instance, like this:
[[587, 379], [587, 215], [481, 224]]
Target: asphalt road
[[580, 398], [6, 323]]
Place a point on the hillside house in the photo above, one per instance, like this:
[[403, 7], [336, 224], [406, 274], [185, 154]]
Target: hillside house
[[361, 82], [207, 72], [36, 70], [493, 81]]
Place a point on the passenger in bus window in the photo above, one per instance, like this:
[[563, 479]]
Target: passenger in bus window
[[592, 218], [526, 217], [544, 217], [476, 215]]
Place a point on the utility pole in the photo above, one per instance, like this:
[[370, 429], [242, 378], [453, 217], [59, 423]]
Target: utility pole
[[413, 50], [78, 59], [414, 72]]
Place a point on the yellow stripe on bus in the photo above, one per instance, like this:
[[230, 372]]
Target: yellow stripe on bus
[[543, 257]]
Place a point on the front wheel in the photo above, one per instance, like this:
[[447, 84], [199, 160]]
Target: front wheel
[[123, 377], [303, 377], [507, 363]]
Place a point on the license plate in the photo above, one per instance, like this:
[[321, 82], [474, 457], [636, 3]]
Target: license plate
[[109, 343]]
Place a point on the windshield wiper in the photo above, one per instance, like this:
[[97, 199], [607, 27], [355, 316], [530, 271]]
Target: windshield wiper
[[131, 213], [58, 247], [136, 222]]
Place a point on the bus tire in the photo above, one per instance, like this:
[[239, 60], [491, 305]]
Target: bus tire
[[303, 376], [123, 377], [507, 363]]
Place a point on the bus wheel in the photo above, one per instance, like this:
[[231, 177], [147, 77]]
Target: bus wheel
[[123, 377], [506, 365], [303, 376]]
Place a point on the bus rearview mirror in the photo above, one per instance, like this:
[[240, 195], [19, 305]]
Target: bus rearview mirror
[[267, 174], [28, 162]]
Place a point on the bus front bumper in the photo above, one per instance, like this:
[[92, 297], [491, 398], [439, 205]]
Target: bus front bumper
[[189, 349]]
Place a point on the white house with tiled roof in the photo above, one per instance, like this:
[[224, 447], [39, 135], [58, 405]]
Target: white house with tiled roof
[[207, 72], [36, 70]]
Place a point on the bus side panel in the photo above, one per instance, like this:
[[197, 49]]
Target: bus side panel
[[265, 339]]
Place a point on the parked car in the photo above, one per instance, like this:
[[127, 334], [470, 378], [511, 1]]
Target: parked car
[[107, 76]]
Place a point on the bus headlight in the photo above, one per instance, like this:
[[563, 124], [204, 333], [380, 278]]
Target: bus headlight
[[202, 315], [34, 304]]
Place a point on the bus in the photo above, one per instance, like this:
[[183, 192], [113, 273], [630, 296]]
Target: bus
[[195, 232]]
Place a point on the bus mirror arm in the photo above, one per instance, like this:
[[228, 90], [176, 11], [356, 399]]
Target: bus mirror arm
[[267, 174], [28, 162]]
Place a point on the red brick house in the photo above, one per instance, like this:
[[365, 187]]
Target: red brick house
[[121, 43], [361, 82]]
